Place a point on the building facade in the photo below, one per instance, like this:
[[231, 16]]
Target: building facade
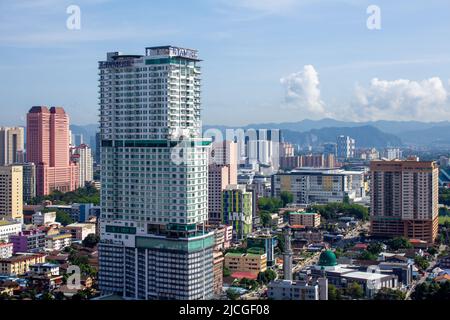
[[298, 290], [28, 241], [11, 192], [345, 147], [48, 149], [246, 262], [6, 250], [307, 219], [20, 264], [404, 199], [154, 177], [11, 145], [82, 156], [29, 181], [238, 210], [310, 186]]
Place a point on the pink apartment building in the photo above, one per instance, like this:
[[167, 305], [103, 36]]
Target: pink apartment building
[[48, 148], [222, 171]]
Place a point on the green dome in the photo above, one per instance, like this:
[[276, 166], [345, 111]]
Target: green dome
[[327, 259]]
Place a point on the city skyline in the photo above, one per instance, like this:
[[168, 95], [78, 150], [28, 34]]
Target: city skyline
[[276, 75], [251, 150]]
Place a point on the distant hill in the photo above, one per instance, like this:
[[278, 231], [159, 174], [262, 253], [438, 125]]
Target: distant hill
[[429, 136], [366, 136], [388, 126], [387, 132]]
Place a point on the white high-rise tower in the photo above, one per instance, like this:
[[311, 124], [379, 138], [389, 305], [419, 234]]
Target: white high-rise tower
[[154, 177]]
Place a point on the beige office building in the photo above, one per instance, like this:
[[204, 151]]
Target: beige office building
[[11, 189], [307, 219], [246, 262], [404, 199], [11, 145]]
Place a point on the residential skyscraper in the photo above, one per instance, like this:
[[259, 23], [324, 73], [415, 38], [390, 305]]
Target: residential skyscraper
[[330, 148], [82, 156], [404, 199], [154, 177], [77, 139], [11, 145], [222, 171], [238, 210], [345, 147], [11, 199], [48, 149], [29, 181]]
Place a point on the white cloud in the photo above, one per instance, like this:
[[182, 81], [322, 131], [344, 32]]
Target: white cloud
[[402, 99], [302, 92]]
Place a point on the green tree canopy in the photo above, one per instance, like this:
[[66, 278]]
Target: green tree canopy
[[399, 243], [286, 197], [389, 294], [63, 217], [266, 218], [88, 194], [91, 240], [355, 290], [375, 248], [233, 294], [334, 293], [331, 210]]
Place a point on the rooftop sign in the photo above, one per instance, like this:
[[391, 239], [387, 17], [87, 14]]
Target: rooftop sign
[[171, 52]]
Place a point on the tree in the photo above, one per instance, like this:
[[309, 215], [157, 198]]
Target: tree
[[399, 243], [331, 210], [432, 291], [269, 204], [47, 296], [233, 294], [63, 218], [88, 194], [266, 218], [432, 251], [421, 262], [355, 290], [338, 252], [59, 295], [91, 240], [226, 272], [286, 197], [334, 293], [266, 276], [375, 248], [389, 294], [366, 255]]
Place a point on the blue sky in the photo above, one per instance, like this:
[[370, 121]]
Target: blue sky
[[264, 60]]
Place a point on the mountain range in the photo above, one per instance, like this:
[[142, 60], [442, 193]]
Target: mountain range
[[378, 134]]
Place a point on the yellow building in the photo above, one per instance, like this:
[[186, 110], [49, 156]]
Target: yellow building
[[246, 262], [20, 264], [11, 192]]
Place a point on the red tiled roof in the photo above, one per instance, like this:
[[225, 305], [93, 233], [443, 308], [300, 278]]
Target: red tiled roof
[[241, 275]]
